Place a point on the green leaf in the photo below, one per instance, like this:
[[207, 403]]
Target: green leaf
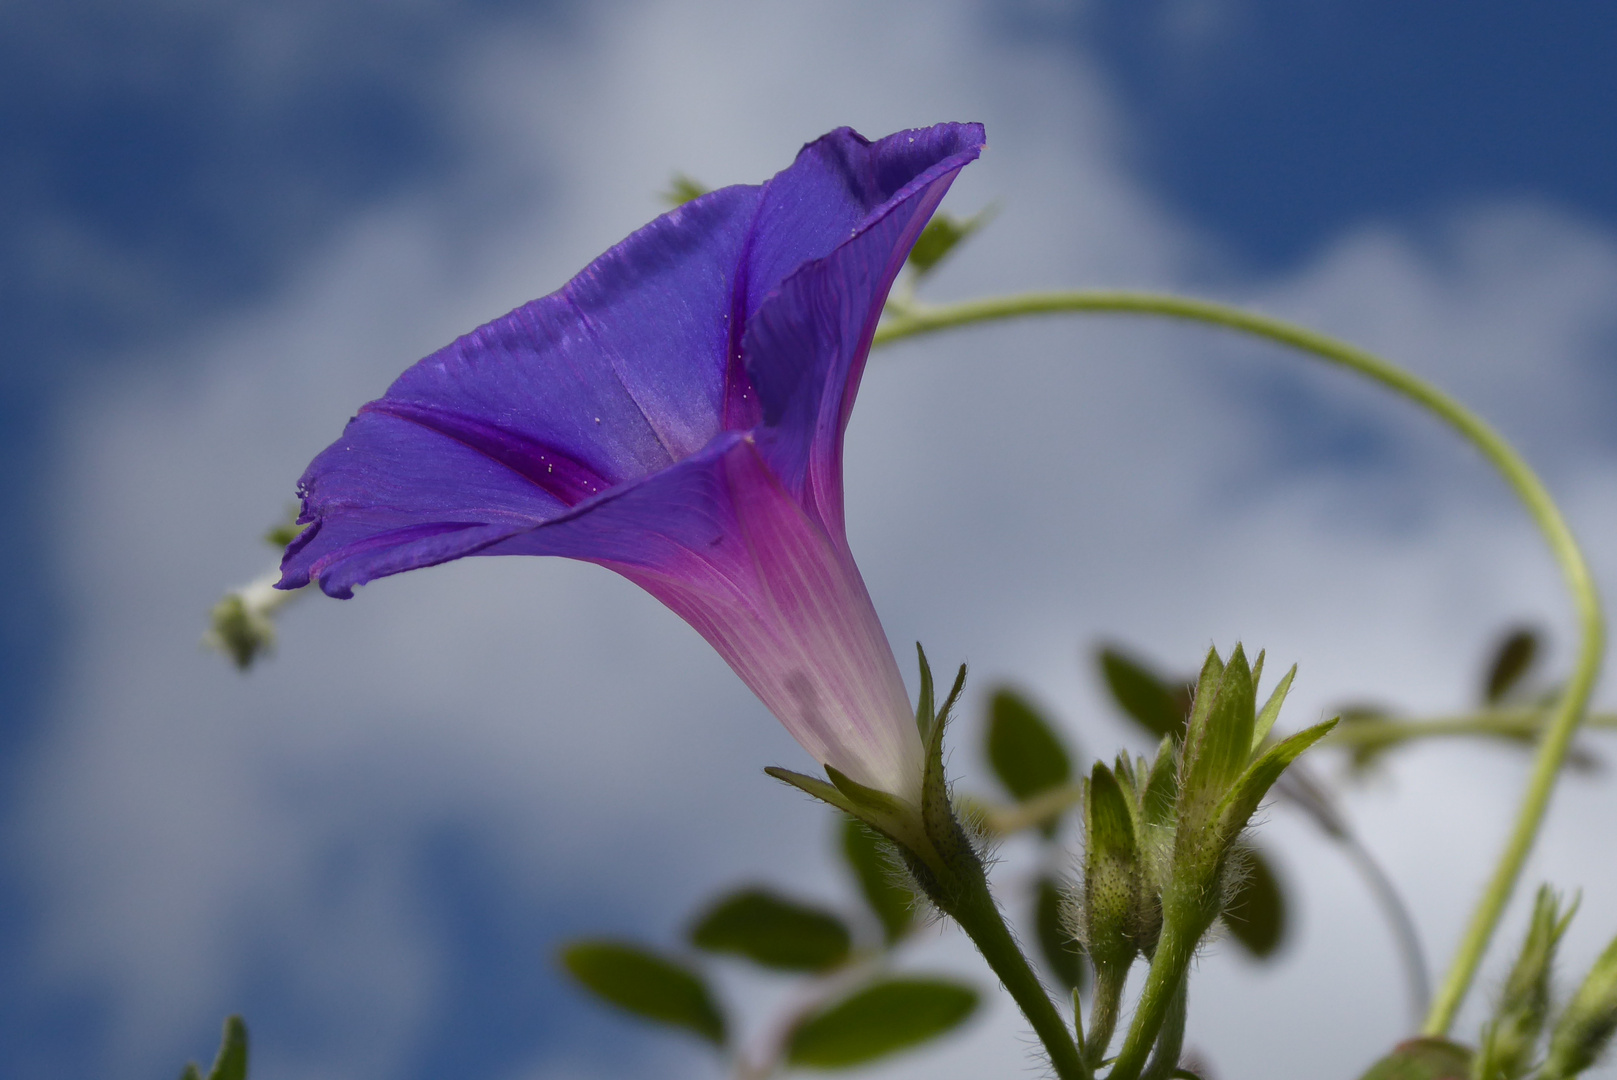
[[1512, 659], [1149, 700], [882, 1019], [191, 1073], [941, 236], [1423, 1059], [888, 897], [773, 931], [1256, 914], [1063, 956], [647, 985], [682, 189], [1023, 748]]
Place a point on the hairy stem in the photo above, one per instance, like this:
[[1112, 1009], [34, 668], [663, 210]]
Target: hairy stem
[[1103, 1011], [1171, 1039], [1164, 982], [980, 918], [1574, 700]]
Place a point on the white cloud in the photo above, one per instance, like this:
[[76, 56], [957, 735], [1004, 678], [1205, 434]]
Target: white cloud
[[1015, 493]]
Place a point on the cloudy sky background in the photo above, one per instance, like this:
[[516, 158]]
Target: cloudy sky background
[[226, 227]]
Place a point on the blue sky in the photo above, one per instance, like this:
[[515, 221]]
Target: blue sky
[[236, 225]]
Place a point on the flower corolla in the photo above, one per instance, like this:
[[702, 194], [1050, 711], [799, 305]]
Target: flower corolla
[[676, 414]]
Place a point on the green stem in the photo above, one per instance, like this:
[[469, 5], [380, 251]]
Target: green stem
[[1499, 723], [1171, 1039], [1164, 981], [1103, 1011], [980, 918], [1569, 710]]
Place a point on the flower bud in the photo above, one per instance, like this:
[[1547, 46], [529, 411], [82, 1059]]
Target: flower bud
[[1586, 1027], [1112, 878], [1512, 1035]]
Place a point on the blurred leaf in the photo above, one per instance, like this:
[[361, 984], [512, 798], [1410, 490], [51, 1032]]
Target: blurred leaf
[[1512, 659], [1159, 705], [1256, 915], [1062, 955], [773, 931], [682, 189], [646, 984], [231, 1061], [881, 1019], [287, 531], [1423, 1059], [940, 237], [884, 891], [1023, 748]]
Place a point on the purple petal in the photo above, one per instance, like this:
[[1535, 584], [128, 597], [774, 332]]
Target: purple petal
[[838, 184], [806, 347], [618, 374]]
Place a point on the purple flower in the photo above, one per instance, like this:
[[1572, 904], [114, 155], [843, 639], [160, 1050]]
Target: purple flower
[[674, 413]]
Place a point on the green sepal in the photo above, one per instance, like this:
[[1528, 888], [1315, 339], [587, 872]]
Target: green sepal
[[1112, 880], [1426, 1058], [924, 704], [1161, 791], [773, 931], [1243, 799], [1271, 708], [883, 1018], [816, 787], [650, 986], [951, 847], [1219, 740]]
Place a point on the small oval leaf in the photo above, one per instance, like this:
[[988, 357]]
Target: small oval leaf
[[646, 984], [1156, 704], [1423, 1059], [884, 891], [773, 931], [1512, 659], [1023, 747], [1256, 915], [1062, 955], [881, 1019]]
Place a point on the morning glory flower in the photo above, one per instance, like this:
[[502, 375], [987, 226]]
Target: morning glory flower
[[674, 413]]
